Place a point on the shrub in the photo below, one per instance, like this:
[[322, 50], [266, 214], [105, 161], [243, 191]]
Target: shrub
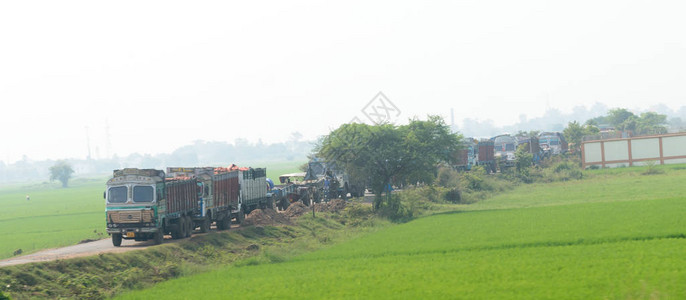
[[452, 195], [447, 177], [394, 210], [651, 169]]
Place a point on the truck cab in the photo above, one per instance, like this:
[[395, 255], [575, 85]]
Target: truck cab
[[133, 207]]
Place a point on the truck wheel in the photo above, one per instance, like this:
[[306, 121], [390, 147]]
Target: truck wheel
[[205, 226], [241, 216], [116, 239], [182, 227], [190, 226], [158, 236], [221, 223], [227, 222]]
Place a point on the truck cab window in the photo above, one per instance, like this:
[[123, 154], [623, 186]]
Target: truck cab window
[[142, 194], [117, 194]]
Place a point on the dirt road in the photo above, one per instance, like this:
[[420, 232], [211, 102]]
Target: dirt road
[[86, 249]]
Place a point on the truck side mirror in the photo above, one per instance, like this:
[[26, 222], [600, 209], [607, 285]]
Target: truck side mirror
[[104, 195]]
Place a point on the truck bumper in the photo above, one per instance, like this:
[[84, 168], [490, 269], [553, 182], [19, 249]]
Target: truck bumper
[[125, 230]]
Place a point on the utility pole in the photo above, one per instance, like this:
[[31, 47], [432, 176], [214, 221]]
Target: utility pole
[[108, 143], [88, 144]]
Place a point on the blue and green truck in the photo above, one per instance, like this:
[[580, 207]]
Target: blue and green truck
[[142, 204]]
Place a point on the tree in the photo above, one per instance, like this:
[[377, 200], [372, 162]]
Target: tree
[[618, 118], [574, 133], [523, 160], [386, 154], [651, 123], [527, 134], [61, 171]]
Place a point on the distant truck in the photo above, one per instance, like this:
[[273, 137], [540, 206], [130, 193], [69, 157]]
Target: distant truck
[[142, 204], [532, 145], [340, 183], [468, 155], [227, 193], [505, 147], [292, 188], [552, 143], [486, 155]]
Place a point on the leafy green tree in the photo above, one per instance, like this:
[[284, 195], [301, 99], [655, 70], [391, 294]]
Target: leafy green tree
[[61, 171], [386, 154], [524, 133], [523, 160], [575, 132], [618, 118], [651, 123], [624, 120]]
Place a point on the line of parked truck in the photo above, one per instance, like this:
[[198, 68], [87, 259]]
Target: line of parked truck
[[500, 151], [147, 204], [144, 204]]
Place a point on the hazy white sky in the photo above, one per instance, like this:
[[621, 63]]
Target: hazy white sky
[[165, 73]]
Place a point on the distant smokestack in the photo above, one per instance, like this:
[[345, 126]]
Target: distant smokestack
[[108, 144], [88, 143]]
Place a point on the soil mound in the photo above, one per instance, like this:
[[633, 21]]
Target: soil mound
[[265, 217], [332, 206], [296, 209]]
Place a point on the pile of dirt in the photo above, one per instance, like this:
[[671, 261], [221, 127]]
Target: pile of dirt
[[265, 217], [296, 209], [332, 206]]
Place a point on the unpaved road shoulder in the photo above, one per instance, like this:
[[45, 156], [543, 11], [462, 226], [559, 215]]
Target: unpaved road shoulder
[[85, 249]]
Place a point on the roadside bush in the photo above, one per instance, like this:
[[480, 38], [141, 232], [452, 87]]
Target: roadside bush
[[3, 297], [556, 168], [356, 214], [394, 210], [447, 177], [651, 169], [453, 196]]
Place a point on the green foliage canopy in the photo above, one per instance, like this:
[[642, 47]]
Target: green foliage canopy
[[575, 132], [386, 154], [61, 171]]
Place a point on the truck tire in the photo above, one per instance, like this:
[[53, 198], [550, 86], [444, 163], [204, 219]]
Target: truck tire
[[190, 226], [205, 226], [241, 216], [158, 237], [182, 227], [221, 223], [116, 239]]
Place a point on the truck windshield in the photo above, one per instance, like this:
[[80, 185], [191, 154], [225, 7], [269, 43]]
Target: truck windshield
[[117, 194], [142, 194]]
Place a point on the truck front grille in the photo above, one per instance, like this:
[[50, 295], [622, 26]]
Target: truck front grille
[[130, 216]]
